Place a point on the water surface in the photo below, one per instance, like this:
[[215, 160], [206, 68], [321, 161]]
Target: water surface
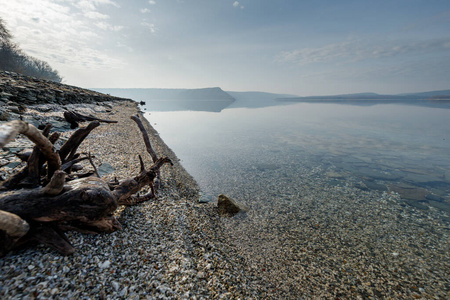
[[345, 201], [389, 145]]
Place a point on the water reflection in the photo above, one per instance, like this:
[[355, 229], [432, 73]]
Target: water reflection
[[400, 148], [189, 105]]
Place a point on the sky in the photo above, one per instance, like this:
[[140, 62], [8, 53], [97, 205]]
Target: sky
[[296, 47]]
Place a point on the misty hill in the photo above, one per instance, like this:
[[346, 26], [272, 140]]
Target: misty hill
[[424, 96], [257, 95], [256, 99], [148, 94], [430, 95], [215, 93], [205, 99]]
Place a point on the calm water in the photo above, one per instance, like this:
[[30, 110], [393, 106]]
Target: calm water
[[404, 148], [322, 183]]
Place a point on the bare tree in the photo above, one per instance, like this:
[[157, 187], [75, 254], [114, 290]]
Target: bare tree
[[5, 35], [13, 59]]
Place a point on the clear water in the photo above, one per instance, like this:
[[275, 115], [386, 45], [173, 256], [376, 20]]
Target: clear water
[[345, 201], [390, 145]]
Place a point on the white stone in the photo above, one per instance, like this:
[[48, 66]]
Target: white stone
[[105, 264], [115, 285], [124, 292]]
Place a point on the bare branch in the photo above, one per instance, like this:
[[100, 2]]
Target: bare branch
[[68, 150], [10, 130], [131, 186], [73, 118], [93, 165], [145, 137], [141, 163]]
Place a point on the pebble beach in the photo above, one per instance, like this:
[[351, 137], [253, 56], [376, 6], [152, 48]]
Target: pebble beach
[[327, 242], [155, 255]]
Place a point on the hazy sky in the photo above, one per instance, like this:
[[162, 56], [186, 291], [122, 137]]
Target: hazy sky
[[285, 46]]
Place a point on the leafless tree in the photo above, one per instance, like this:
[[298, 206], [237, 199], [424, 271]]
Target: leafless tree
[[13, 59]]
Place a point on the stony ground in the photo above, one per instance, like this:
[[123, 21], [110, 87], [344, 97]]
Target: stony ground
[[156, 255]]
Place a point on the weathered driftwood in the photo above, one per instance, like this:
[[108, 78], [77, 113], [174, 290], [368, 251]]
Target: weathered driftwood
[[145, 137], [70, 147], [74, 118], [128, 187], [12, 228], [59, 203], [157, 183], [29, 176], [11, 129]]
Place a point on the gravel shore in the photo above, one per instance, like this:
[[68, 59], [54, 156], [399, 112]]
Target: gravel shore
[[156, 255], [325, 242]]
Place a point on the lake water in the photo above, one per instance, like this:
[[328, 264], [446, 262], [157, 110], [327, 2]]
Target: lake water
[[404, 148], [345, 200]]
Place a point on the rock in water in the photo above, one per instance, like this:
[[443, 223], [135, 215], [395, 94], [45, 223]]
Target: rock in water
[[228, 206]]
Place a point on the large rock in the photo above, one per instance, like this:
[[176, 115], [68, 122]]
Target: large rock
[[229, 207]]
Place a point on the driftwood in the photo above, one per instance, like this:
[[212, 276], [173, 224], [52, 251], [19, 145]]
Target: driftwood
[[61, 201], [74, 118], [12, 228]]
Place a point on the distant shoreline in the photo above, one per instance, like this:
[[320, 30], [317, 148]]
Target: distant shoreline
[[367, 100]]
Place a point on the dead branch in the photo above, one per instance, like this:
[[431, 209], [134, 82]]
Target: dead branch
[[12, 228], [50, 235], [66, 167], [29, 176], [70, 147], [93, 165], [145, 137], [131, 186], [157, 182], [74, 118], [11, 129], [12, 182]]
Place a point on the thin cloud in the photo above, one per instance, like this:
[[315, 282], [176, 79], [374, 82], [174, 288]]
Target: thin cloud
[[107, 26], [124, 46], [100, 2], [91, 5], [84, 5], [145, 10], [72, 27], [352, 51], [95, 15], [89, 8], [152, 2], [150, 26], [236, 4]]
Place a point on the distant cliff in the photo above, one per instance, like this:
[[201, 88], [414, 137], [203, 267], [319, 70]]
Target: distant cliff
[[149, 94], [215, 93]]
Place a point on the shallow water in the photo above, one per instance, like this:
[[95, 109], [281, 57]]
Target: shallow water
[[392, 146], [344, 200]]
